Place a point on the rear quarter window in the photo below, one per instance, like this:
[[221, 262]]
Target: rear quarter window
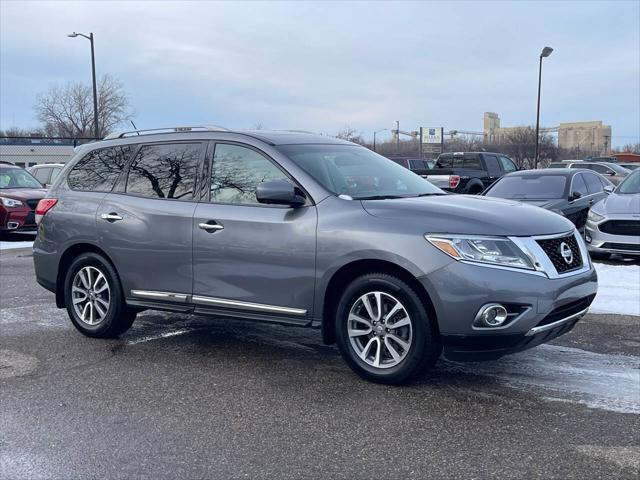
[[99, 169]]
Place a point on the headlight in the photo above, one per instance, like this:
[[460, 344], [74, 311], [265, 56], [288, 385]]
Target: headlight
[[491, 250], [594, 217], [10, 202]]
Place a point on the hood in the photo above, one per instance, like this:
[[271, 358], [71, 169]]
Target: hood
[[23, 193], [471, 215], [614, 203]]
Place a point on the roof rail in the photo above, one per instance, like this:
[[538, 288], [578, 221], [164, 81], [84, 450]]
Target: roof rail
[[194, 128]]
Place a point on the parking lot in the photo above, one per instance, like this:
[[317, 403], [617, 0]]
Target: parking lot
[[181, 396]]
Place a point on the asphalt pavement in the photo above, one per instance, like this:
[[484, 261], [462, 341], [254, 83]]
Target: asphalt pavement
[[181, 396]]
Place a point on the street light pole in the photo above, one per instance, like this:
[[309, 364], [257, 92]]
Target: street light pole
[[397, 135], [375, 132], [546, 51], [93, 75]]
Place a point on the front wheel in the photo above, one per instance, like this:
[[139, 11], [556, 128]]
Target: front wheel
[[94, 299], [383, 330]]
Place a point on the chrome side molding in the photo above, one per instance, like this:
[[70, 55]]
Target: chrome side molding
[[216, 302], [223, 302], [169, 296]]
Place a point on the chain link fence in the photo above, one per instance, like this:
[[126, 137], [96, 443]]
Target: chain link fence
[[29, 151]]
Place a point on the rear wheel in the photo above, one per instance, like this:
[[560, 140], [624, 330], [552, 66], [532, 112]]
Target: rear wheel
[[383, 330], [94, 299]]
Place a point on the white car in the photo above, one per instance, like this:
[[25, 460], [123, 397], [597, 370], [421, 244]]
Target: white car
[[46, 173], [613, 224]]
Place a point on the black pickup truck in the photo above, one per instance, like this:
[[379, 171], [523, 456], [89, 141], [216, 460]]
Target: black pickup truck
[[469, 172]]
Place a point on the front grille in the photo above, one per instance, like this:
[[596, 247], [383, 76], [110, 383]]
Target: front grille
[[33, 203], [621, 227], [566, 310], [622, 246], [553, 247]]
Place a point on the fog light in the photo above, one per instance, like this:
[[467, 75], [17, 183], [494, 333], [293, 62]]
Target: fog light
[[491, 315], [12, 225]]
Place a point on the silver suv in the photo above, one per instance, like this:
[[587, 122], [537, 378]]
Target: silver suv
[[307, 230]]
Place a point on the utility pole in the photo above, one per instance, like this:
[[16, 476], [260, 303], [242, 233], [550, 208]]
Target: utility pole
[[397, 136]]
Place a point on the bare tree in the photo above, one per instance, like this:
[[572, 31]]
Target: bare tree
[[67, 111], [21, 132], [629, 147], [520, 144], [350, 134]]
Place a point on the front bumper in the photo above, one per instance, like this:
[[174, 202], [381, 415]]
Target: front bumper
[[17, 219], [546, 307], [600, 242]]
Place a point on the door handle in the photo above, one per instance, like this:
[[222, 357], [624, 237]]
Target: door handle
[[111, 217], [210, 227]]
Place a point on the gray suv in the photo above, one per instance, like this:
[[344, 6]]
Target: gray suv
[[306, 230]]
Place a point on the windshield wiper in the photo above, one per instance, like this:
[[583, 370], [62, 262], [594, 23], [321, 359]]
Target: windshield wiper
[[432, 194], [381, 197]]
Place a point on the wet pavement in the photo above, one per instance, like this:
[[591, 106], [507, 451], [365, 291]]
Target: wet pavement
[[193, 397]]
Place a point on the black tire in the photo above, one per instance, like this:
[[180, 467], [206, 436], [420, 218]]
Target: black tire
[[118, 317], [424, 349]]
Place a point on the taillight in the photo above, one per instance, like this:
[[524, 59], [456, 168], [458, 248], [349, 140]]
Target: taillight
[[454, 180], [43, 207]]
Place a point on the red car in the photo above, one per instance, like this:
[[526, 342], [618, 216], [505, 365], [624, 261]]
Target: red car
[[19, 196]]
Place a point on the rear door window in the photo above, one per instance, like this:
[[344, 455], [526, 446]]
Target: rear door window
[[99, 170], [493, 167], [166, 171], [42, 174], [578, 185], [594, 185]]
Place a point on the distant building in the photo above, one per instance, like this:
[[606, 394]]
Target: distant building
[[494, 134], [585, 136], [594, 137], [29, 151]]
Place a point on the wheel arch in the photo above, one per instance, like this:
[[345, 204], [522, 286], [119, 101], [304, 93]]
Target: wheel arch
[[66, 259], [350, 271]]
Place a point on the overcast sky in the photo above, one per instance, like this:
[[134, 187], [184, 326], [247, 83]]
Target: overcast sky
[[321, 66]]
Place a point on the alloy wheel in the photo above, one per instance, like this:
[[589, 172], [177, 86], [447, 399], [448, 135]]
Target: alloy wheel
[[380, 329], [91, 295]]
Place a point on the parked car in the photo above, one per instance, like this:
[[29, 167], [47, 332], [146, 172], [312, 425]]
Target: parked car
[[418, 166], [19, 195], [631, 166], [469, 172], [46, 173], [612, 171], [568, 192], [305, 230], [613, 225], [606, 159]]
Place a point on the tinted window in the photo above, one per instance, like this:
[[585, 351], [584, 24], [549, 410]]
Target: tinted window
[[99, 169], [165, 171], [472, 161], [578, 185], [507, 164], [597, 168], [236, 172], [493, 168], [42, 174], [594, 185], [449, 161], [529, 187], [416, 164]]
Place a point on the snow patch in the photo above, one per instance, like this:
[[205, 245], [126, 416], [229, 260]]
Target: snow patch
[[15, 245], [618, 289]]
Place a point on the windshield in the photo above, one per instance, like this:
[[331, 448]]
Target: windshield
[[17, 178], [631, 184], [618, 169], [357, 172], [539, 187]]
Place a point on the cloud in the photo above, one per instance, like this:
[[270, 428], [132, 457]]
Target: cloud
[[319, 66]]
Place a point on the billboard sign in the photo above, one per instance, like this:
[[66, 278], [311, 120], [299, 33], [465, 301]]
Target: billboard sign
[[431, 139]]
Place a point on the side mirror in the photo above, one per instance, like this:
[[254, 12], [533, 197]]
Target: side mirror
[[609, 188], [611, 173], [278, 192], [574, 196]]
